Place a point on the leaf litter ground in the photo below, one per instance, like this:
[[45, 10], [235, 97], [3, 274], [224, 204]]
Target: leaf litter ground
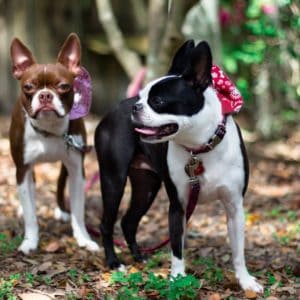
[[59, 269]]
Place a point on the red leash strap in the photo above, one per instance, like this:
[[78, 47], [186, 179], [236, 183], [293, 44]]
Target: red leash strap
[[192, 202]]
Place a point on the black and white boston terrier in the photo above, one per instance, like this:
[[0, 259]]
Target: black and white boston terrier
[[150, 139]]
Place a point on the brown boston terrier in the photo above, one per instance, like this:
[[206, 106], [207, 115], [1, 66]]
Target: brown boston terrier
[[42, 131]]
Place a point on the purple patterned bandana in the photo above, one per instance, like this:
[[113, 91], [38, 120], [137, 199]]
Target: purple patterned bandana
[[82, 95]]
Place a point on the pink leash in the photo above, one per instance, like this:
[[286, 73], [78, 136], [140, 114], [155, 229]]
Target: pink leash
[[193, 197]]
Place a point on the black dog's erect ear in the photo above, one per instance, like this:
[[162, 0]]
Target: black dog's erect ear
[[181, 59], [200, 66]]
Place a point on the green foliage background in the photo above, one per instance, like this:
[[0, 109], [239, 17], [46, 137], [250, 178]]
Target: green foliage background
[[255, 36]]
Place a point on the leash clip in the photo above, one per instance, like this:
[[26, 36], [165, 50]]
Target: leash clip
[[76, 144]]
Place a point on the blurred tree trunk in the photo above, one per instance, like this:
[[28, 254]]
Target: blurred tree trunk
[[263, 101], [140, 15], [5, 68], [170, 38], [158, 11], [129, 60], [12, 20], [164, 30], [202, 23]]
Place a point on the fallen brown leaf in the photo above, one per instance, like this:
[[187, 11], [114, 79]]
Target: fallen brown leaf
[[52, 247], [215, 296], [249, 294], [34, 296]]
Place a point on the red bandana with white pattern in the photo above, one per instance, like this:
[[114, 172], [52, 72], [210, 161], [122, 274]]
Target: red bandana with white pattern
[[229, 96]]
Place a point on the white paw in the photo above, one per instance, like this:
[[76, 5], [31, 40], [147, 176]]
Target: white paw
[[178, 267], [175, 274], [27, 246], [249, 282], [88, 244], [122, 268], [61, 215]]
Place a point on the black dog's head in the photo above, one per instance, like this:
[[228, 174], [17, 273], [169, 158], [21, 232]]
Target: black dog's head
[[168, 105]]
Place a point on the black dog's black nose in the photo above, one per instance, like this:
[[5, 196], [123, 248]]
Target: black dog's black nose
[[137, 107]]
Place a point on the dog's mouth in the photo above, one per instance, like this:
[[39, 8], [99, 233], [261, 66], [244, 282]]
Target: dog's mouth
[[156, 133], [45, 111]]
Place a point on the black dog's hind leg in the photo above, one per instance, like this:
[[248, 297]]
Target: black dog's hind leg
[[145, 185], [112, 192], [114, 157]]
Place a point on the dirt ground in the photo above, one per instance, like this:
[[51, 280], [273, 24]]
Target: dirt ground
[[61, 270]]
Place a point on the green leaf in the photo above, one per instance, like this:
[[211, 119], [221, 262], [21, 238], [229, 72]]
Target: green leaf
[[230, 64], [118, 277]]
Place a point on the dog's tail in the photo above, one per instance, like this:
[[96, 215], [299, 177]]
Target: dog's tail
[[60, 192]]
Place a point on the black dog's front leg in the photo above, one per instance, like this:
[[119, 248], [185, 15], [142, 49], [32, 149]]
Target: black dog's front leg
[[177, 222], [177, 229]]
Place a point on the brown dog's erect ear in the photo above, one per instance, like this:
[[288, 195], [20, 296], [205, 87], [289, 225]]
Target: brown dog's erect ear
[[21, 58], [70, 53]]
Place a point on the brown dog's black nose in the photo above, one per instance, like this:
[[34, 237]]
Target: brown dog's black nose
[[137, 107], [45, 97]]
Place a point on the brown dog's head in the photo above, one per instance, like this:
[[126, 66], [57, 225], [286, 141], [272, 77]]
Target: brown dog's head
[[47, 89]]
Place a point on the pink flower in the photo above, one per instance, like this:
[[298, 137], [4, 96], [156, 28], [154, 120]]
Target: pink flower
[[224, 17], [269, 9]]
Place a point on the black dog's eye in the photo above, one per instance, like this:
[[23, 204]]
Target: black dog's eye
[[28, 88], [157, 101], [64, 87]]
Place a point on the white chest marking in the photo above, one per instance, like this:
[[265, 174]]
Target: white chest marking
[[223, 167], [40, 148]]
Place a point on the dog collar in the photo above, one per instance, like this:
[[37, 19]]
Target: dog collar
[[212, 142], [70, 140], [82, 95]]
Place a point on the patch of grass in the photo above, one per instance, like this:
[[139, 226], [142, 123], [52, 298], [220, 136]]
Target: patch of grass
[[73, 274], [72, 296], [156, 260], [9, 245], [29, 278], [292, 215], [271, 279], [6, 287], [181, 287], [85, 278], [47, 280], [274, 213], [282, 215], [212, 273], [283, 240], [267, 292]]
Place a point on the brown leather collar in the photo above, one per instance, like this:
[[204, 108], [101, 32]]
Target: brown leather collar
[[212, 142]]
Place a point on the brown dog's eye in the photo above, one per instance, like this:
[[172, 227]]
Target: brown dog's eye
[[64, 87], [28, 88]]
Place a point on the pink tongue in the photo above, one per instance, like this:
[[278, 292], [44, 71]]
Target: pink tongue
[[146, 131]]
